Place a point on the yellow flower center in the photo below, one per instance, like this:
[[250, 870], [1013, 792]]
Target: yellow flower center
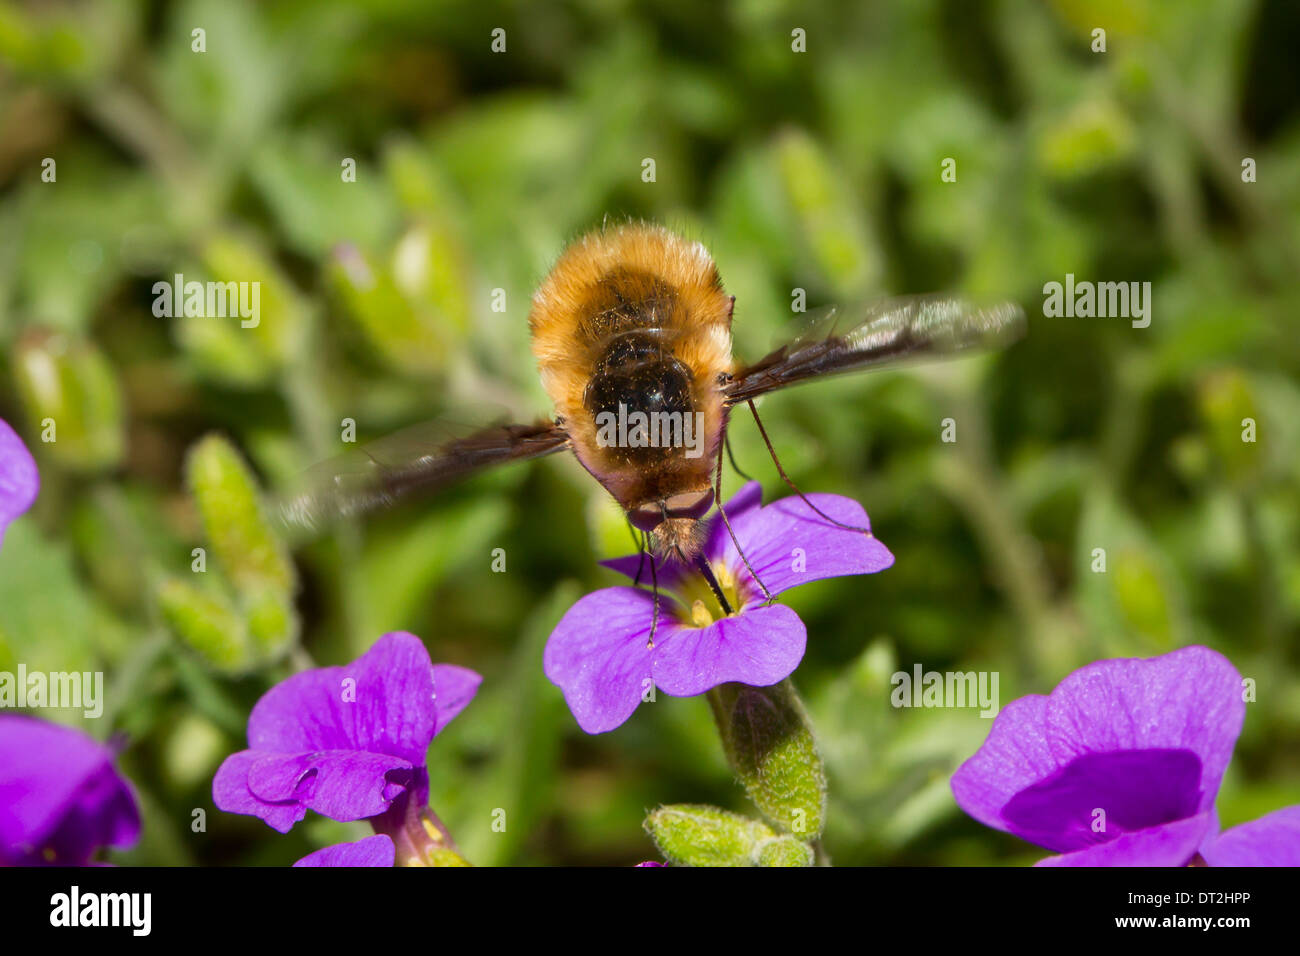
[[700, 616], [703, 603]]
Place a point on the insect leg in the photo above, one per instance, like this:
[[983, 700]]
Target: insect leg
[[717, 497], [654, 619], [786, 478], [707, 571], [642, 547]]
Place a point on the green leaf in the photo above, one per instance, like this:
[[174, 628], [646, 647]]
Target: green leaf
[[230, 93], [301, 180], [828, 216], [1137, 602], [1095, 134], [47, 619], [78, 235], [281, 317], [522, 721], [403, 337], [1230, 414]]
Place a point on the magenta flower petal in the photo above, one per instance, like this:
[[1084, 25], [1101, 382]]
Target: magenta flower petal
[[1127, 790], [670, 574], [1190, 699], [1015, 756], [1119, 747], [382, 703], [788, 544], [19, 479], [339, 784], [1272, 840], [230, 793], [770, 536], [748, 499], [454, 687], [344, 741], [1170, 844], [60, 797], [760, 647], [598, 654], [1135, 712], [377, 850]]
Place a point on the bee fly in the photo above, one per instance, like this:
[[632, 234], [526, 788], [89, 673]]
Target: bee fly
[[632, 335]]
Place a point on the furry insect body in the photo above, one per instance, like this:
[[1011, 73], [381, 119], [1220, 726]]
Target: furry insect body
[[634, 321]]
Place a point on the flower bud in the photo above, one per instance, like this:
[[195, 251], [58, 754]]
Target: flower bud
[[700, 835], [206, 624], [234, 521], [73, 399], [784, 851], [769, 743], [272, 620]]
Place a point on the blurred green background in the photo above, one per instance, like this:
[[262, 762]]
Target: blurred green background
[[817, 170]]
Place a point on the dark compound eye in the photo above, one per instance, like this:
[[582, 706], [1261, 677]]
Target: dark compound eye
[[694, 504], [646, 517]]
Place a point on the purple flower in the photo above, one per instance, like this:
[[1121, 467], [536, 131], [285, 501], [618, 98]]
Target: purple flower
[[1120, 766], [348, 742], [599, 653], [377, 850], [60, 798], [1272, 840], [19, 480]]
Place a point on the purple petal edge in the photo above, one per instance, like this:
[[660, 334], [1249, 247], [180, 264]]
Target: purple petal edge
[[1171, 844], [377, 850], [20, 481], [1272, 840]]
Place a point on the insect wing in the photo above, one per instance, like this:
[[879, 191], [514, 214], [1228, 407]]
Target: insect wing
[[892, 331], [421, 458]]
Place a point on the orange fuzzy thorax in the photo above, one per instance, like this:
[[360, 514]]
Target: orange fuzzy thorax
[[642, 277]]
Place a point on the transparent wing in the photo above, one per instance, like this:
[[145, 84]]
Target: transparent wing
[[891, 331], [421, 458]]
